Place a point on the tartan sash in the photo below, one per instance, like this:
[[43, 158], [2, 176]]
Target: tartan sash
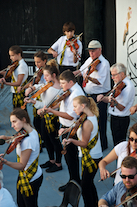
[[87, 160], [18, 98], [25, 176], [49, 120], [63, 52]]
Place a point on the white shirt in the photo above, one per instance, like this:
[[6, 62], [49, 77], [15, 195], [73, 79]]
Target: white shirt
[[96, 151], [31, 142], [121, 152], [21, 69], [102, 74], [67, 105], [68, 55], [6, 199], [126, 98]]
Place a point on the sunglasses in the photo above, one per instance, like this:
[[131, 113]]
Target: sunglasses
[[129, 176], [132, 139]]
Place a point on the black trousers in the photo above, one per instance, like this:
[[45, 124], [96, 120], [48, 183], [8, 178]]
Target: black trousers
[[119, 126], [30, 201], [89, 192], [53, 145], [72, 160], [102, 120], [62, 68]]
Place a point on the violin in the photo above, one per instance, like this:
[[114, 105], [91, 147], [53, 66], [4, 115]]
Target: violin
[[129, 196], [58, 100], [91, 69], [35, 79], [117, 91], [9, 71], [37, 93], [14, 140], [72, 43], [73, 130]]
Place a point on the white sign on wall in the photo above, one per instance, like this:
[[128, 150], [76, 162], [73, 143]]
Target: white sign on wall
[[126, 37]]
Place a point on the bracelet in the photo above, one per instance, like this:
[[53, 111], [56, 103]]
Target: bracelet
[[31, 88]]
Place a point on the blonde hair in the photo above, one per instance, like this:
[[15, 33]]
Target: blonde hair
[[89, 102], [52, 62]]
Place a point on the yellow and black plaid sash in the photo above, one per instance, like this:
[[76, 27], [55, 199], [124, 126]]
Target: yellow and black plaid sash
[[18, 98], [87, 160], [63, 52], [25, 176], [49, 120]]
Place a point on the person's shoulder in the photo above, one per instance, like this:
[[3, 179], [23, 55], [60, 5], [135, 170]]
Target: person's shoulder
[[103, 60]]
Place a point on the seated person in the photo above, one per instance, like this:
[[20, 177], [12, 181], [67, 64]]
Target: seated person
[[126, 186]]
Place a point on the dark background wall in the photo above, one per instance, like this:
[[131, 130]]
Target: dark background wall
[[39, 22]]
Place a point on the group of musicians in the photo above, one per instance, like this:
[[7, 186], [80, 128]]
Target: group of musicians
[[78, 114]]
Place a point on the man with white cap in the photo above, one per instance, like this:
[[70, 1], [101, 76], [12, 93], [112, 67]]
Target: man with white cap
[[6, 199], [99, 83]]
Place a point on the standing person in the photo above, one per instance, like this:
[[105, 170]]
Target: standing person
[[99, 84], [119, 152], [30, 174], [67, 57], [89, 141], [50, 122], [40, 59], [5, 196], [67, 116], [126, 186], [19, 75], [120, 105]]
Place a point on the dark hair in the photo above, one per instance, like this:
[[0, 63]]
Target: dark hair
[[16, 49], [129, 162], [20, 114], [68, 26], [131, 129], [40, 54], [67, 75], [52, 69]]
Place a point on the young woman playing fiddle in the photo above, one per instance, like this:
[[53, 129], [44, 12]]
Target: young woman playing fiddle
[[19, 75], [50, 122], [27, 151], [40, 59], [119, 152], [89, 141]]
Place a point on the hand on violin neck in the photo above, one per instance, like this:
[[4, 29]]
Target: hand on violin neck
[[28, 100]]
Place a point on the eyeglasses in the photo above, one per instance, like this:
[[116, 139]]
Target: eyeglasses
[[132, 139], [115, 74], [129, 176]]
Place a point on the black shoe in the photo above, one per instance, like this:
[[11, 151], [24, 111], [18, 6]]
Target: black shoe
[[63, 187], [47, 164], [54, 168]]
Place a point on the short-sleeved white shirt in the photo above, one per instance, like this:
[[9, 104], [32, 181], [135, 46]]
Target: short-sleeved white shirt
[[126, 98], [102, 74], [21, 69], [67, 105], [31, 142], [68, 55], [121, 152], [6, 198]]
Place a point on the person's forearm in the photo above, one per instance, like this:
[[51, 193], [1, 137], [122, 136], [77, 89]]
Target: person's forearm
[[61, 114], [102, 203]]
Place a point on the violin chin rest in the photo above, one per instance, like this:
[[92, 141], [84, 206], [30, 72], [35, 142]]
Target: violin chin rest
[[2, 141]]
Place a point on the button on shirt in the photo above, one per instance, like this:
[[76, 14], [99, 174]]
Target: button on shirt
[[68, 55], [102, 74], [67, 105], [114, 195]]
